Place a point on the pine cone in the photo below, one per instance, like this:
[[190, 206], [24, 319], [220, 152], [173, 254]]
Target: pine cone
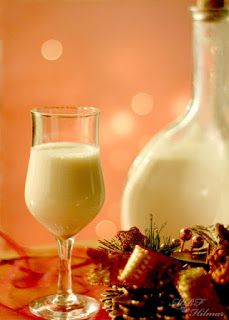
[[223, 234], [219, 265], [134, 303]]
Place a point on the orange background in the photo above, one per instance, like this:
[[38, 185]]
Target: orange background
[[132, 58]]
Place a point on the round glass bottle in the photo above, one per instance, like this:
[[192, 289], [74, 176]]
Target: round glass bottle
[[181, 177]]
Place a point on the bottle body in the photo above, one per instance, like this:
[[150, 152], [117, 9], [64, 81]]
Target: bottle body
[[182, 175], [180, 182]]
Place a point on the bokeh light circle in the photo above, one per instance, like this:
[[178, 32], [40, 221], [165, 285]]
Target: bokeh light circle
[[106, 229], [51, 49], [142, 103]]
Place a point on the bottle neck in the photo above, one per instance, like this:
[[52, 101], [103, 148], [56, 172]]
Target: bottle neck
[[211, 72]]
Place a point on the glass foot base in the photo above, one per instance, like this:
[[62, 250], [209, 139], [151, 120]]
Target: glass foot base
[[71, 307]]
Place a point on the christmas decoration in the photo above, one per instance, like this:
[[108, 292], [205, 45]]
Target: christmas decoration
[[219, 265], [146, 268], [185, 234], [107, 266], [141, 303], [125, 241], [218, 259], [198, 294], [197, 242], [153, 278]]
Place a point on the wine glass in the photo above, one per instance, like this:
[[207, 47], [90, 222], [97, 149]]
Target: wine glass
[[64, 191]]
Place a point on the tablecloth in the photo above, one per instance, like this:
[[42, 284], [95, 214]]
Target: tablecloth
[[28, 274]]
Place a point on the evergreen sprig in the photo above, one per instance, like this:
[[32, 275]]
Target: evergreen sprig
[[125, 241], [153, 236], [158, 243], [113, 245]]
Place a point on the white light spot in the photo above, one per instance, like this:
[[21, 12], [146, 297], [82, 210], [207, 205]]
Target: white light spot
[[205, 192], [52, 49], [122, 122], [106, 229], [142, 103], [120, 159]]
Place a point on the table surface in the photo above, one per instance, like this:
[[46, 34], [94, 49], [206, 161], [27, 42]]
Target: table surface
[[26, 274]]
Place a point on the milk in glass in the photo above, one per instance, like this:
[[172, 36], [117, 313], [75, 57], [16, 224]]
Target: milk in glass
[[64, 186]]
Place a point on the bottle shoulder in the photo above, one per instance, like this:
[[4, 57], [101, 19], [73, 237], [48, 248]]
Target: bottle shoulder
[[187, 138]]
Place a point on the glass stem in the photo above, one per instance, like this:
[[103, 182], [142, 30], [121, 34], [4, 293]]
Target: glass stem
[[65, 274]]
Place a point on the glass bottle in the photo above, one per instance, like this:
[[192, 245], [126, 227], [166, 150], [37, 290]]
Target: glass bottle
[[181, 177]]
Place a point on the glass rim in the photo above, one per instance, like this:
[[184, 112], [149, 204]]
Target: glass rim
[[66, 111]]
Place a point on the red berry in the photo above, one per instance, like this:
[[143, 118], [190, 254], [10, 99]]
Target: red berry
[[185, 234], [176, 242], [197, 242]]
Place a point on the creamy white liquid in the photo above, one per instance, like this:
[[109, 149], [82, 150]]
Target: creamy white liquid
[[64, 186], [181, 186]]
